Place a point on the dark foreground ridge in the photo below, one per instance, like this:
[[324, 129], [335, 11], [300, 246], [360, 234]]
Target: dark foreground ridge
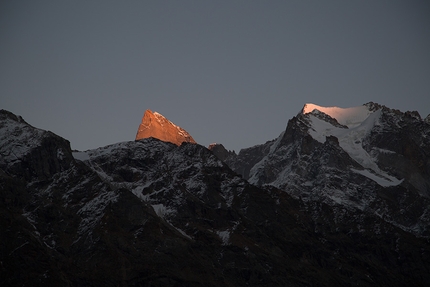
[[151, 213]]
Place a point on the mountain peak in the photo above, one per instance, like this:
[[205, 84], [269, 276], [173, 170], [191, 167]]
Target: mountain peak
[[350, 117], [157, 126]]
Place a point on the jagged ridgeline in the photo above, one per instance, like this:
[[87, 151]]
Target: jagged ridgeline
[[340, 198], [370, 159]]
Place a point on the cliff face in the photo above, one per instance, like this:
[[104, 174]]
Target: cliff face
[[157, 126]]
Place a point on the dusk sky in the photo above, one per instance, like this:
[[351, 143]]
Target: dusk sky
[[232, 72]]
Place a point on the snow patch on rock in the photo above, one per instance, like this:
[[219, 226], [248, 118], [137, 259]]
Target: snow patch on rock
[[360, 121]]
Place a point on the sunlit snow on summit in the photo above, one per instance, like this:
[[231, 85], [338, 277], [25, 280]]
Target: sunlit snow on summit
[[350, 117]]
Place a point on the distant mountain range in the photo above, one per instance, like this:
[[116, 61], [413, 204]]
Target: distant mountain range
[[340, 198]]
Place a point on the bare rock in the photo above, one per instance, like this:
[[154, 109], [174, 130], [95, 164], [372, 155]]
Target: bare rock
[[157, 126]]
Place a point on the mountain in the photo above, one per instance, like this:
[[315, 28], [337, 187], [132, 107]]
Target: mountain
[[221, 152], [152, 213], [157, 126], [370, 159]]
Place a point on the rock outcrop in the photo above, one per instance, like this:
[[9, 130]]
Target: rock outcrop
[[221, 152], [157, 126]]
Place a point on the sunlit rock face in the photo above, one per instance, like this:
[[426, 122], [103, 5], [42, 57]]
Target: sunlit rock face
[[157, 126]]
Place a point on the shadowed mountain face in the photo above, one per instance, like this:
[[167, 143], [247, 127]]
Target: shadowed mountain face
[[157, 126], [152, 213]]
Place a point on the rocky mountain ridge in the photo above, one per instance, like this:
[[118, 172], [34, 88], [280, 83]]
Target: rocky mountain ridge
[[151, 213], [371, 158], [157, 126]]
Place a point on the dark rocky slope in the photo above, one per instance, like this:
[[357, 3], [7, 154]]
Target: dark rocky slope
[[150, 213]]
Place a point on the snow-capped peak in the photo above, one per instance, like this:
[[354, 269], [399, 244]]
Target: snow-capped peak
[[350, 117], [360, 121]]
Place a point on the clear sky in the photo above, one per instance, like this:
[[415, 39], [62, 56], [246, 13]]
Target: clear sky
[[232, 72]]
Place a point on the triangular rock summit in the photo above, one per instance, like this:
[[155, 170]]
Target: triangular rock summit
[[157, 126]]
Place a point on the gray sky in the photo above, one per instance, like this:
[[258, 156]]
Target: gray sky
[[232, 72]]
